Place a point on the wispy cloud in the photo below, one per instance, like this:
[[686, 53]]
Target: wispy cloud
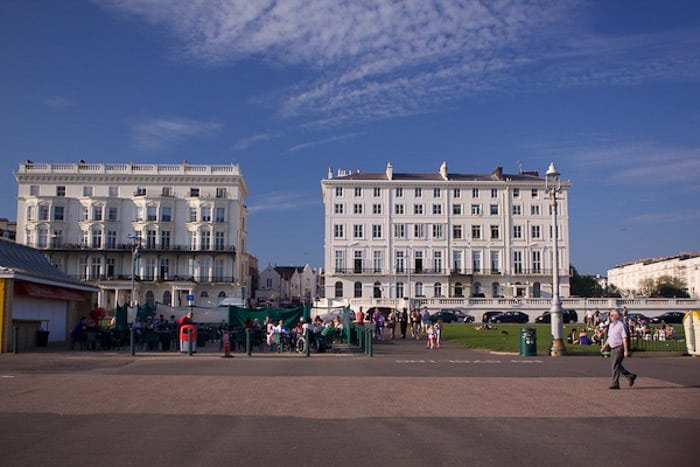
[[57, 102], [663, 218], [248, 142], [281, 201], [320, 142], [156, 133], [374, 59]]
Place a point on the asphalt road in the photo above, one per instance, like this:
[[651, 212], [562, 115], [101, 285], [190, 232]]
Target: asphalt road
[[405, 406]]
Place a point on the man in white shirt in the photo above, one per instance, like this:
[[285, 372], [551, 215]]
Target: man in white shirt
[[618, 343]]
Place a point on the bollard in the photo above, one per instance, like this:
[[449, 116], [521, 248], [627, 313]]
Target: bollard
[[307, 343], [132, 341], [248, 344], [227, 344], [189, 341], [371, 351], [15, 336], [368, 341]]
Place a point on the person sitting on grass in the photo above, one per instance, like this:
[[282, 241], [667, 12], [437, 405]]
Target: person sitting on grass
[[583, 337]]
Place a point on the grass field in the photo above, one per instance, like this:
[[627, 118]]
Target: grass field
[[506, 338]]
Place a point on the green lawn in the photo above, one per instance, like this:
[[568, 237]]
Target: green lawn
[[506, 338]]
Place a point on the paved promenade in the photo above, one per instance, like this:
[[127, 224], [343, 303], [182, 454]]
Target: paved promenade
[[404, 406]]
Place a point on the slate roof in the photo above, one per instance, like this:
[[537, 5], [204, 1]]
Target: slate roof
[[27, 261]]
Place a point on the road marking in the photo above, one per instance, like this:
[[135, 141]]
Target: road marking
[[526, 361]]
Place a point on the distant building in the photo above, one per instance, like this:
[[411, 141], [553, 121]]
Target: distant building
[[8, 229], [167, 231], [427, 235], [287, 285], [685, 266]]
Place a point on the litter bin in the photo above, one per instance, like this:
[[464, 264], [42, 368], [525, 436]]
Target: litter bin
[[185, 331], [42, 338], [528, 342]]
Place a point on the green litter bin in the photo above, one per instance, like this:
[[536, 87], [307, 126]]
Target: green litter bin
[[528, 342]]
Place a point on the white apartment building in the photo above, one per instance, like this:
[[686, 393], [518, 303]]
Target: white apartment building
[[686, 266], [412, 235], [164, 232]]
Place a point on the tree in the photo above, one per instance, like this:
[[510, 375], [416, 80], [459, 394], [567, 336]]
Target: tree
[[663, 286], [584, 286]]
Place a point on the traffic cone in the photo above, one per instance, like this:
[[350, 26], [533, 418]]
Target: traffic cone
[[227, 344]]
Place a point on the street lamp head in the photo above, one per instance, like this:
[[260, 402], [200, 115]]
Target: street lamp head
[[551, 179]]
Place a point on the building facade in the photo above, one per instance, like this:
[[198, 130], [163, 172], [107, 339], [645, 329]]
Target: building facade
[[412, 235], [143, 233], [686, 267], [281, 285]]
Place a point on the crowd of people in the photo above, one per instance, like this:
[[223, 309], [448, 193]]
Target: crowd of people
[[416, 324]]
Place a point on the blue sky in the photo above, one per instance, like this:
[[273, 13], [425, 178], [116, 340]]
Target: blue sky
[[607, 90]]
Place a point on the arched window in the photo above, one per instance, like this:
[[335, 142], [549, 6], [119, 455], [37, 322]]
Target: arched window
[[150, 298], [358, 289], [476, 289], [204, 294], [459, 290], [222, 294], [167, 298], [437, 290], [377, 290], [536, 290], [338, 289], [419, 289], [399, 290], [496, 289]]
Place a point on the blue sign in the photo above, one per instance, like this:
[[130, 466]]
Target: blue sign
[[190, 297]]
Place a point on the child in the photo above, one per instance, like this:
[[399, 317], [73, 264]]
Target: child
[[431, 337]]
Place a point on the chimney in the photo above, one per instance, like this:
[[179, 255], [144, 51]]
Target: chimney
[[330, 173], [389, 171], [443, 170], [498, 173]]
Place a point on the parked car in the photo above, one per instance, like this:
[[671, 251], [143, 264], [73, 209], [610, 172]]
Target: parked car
[[569, 316], [670, 317], [487, 316], [637, 317], [510, 317], [384, 310], [462, 316], [445, 315]]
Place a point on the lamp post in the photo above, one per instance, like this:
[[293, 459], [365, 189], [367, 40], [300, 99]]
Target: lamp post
[[135, 243], [552, 184]]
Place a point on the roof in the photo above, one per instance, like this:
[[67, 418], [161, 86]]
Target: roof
[[23, 260], [496, 176], [288, 271]]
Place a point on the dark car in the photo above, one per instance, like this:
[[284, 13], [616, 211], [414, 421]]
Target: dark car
[[637, 317], [569, 316], [384, 310], [510, 317], [486, 317], [670, 317], [462, 316], [446, 316]]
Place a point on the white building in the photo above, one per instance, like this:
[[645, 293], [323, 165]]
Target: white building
[[686, 267], [287, 284], [397, 235], [160, 231]]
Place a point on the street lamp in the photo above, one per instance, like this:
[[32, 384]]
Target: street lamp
[[135, 243], [552, 184]]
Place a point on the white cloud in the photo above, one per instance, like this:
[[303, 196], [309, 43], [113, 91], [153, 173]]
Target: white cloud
[[157, 133], [320, 142], [245, 143], [373, 59], [281, 201]]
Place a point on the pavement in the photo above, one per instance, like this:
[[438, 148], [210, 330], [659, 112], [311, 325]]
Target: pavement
[[406, 405]]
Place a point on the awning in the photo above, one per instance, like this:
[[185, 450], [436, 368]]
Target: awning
[[47, 291]]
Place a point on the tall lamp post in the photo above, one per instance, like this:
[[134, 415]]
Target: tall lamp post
[[135, 243], [552, 184]]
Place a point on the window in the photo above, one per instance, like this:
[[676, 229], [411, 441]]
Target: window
[[42, 236], [518, 262], [419, 289], [97, 213], [34, 190], [476, 261], [536, 231], [517, 231], [476, 209], [165, 239], [437, 290], [399, 289], [457, 231], [495, 262], [536, 262], [338, 289], [459, 290], [376, 209], [358, 192], [206, 214], [376, 231], [60, 191], [437, 230], [357, 231], [218, 273], [535, 210], [457, 193], [398, 209], [494, 192], [457, 261], [43, 212], [357, 289], [219, 244], [377, 192], [339, 261], [418, 192], [85, 213], [475, 192], [338, 231], [377, 261], [517, 210], [534, 192], [58, 213], [95, 264], [399, 192], [151, 213], [476, 231], [377, 290], [437, 209], [166, 191], [193, 214], [194, 192], [418, 230], [437, 192], [399, 231], [111, 239], [112, 214], [516, 192], [220, 215], [140, 191], [437, 262], [457, 209], [493, 209], [87, 191], [206, 241], [338, 208], [221, 192], [151, 238], [495, 232], [357, 209], [113, 191], [418, 209], [339, 191], [31, 212]]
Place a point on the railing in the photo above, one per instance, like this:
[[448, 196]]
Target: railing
[[129, 168]]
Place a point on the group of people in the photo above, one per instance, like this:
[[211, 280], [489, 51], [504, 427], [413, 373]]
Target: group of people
[[417, 323]]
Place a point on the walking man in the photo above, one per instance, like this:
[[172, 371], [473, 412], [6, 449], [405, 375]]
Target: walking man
[[618, 342]]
